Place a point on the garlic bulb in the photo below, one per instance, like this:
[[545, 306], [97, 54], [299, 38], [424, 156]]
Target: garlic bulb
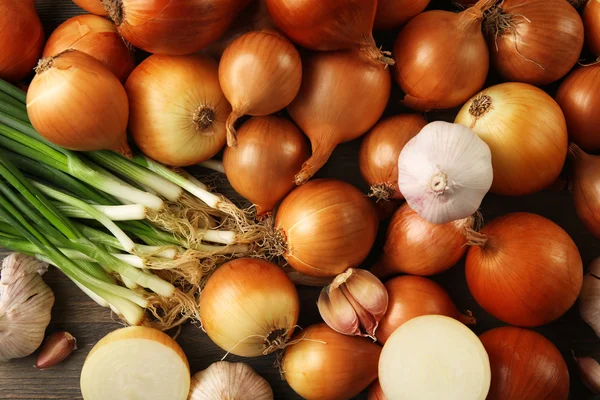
[[589, 298], [25, 306], [444, 172], [354, 303], [229, 381]]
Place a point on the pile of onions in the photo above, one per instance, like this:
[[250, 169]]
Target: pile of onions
[[394, 13], [173, 27], [342, 97], [585, 189], [87, 109], [178, 109], [324, 364], [525, 365], [379, 152], [527, 155], [249, 307], [524, 269], [93, 6], [415, 246], [413, 296], [329, 25], [97, 37], [325, 227], [260, 73], [21, 39], [262, 166], [442, 57], [579, 98], [591, 22]]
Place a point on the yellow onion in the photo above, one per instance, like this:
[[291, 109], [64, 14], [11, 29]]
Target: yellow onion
[[93, 6]]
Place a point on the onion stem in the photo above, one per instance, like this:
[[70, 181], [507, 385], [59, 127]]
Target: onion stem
[[215, 165], [130, 212]]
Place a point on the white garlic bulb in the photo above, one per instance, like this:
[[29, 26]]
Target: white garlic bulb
[[229, 381], [25, 305], [589, 298], [444, 172]]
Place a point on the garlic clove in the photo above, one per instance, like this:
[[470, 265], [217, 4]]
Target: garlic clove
[[589, 370], [337, 312], [369, 291], [55, 349], [231, 381], [589, 297]]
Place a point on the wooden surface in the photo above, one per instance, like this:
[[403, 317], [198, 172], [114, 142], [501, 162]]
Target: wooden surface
[[75, 313]]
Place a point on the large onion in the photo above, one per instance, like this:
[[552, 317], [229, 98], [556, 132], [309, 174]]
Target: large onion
[[93, 6], [178, 110], [325, 227], [526, 132], [394, 13], [591, 22], [342, 97]]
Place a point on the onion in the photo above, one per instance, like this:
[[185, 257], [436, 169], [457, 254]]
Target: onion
[[173, 27], [93, 6], [579, 98], [526, 132], [394, 13], [76, 102], [534, 41], [136, 362], [97, 37], [585, 189], [260, 73], [249, 307], [376, 392], [591, 22], [413, 296], [341, 98], [525, 366], [21, 39], [178, 110], [325, 227], [524, 269], [262, 166], [442, 57], [415, 246], [329, 25], [379, 152], [326, 365], [434, 357]]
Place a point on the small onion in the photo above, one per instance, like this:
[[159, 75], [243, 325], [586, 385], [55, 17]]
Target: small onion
[[95, 36], [394, 13], [178, 110], [93, 6], [326, 226], [591, 22], [585, 189]]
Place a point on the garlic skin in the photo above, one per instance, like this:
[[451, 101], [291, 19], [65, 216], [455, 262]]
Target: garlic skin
[[354, 303], [589, 370], [25, 305], [444, 172], [229, 381], [589, 298], [55, 349]]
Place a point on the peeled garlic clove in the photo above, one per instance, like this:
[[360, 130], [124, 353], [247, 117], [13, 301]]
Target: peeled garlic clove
[[231, 381], [55, 349], [444, 172], [589, 370], [589, 297]]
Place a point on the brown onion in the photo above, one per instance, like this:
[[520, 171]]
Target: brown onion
[[260, 73], [442, 57], [325, 227], [415, 246], [591, 22], [534, 41], [376, 392], [93, 6], [394, 13], [342, 97], [525, 366], [21, 39], [97, 37], [263, 164], [524, 269], [585, 189]]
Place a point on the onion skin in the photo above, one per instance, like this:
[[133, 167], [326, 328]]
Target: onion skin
[[178, 110], [591, 22], [526, 271], [413, 296], [341, 98], [338, 369], [262, 166], [328, 226], [417, 247], [585, 189], [95, 36], [394, 13], [380, 149], [376, 392], [21, 39], [579, 98], [525, 366], [93, 6]]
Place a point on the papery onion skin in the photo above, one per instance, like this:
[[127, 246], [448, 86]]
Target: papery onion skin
[[341, 98], [326, 227], [93, 6], [379, 151], [525, 366], [526, 132], [327, 365], [525, 270], [178, 110], [591, 22], [262, 166], [21, 39], [584, 188], [394, 13], [95, 36]]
